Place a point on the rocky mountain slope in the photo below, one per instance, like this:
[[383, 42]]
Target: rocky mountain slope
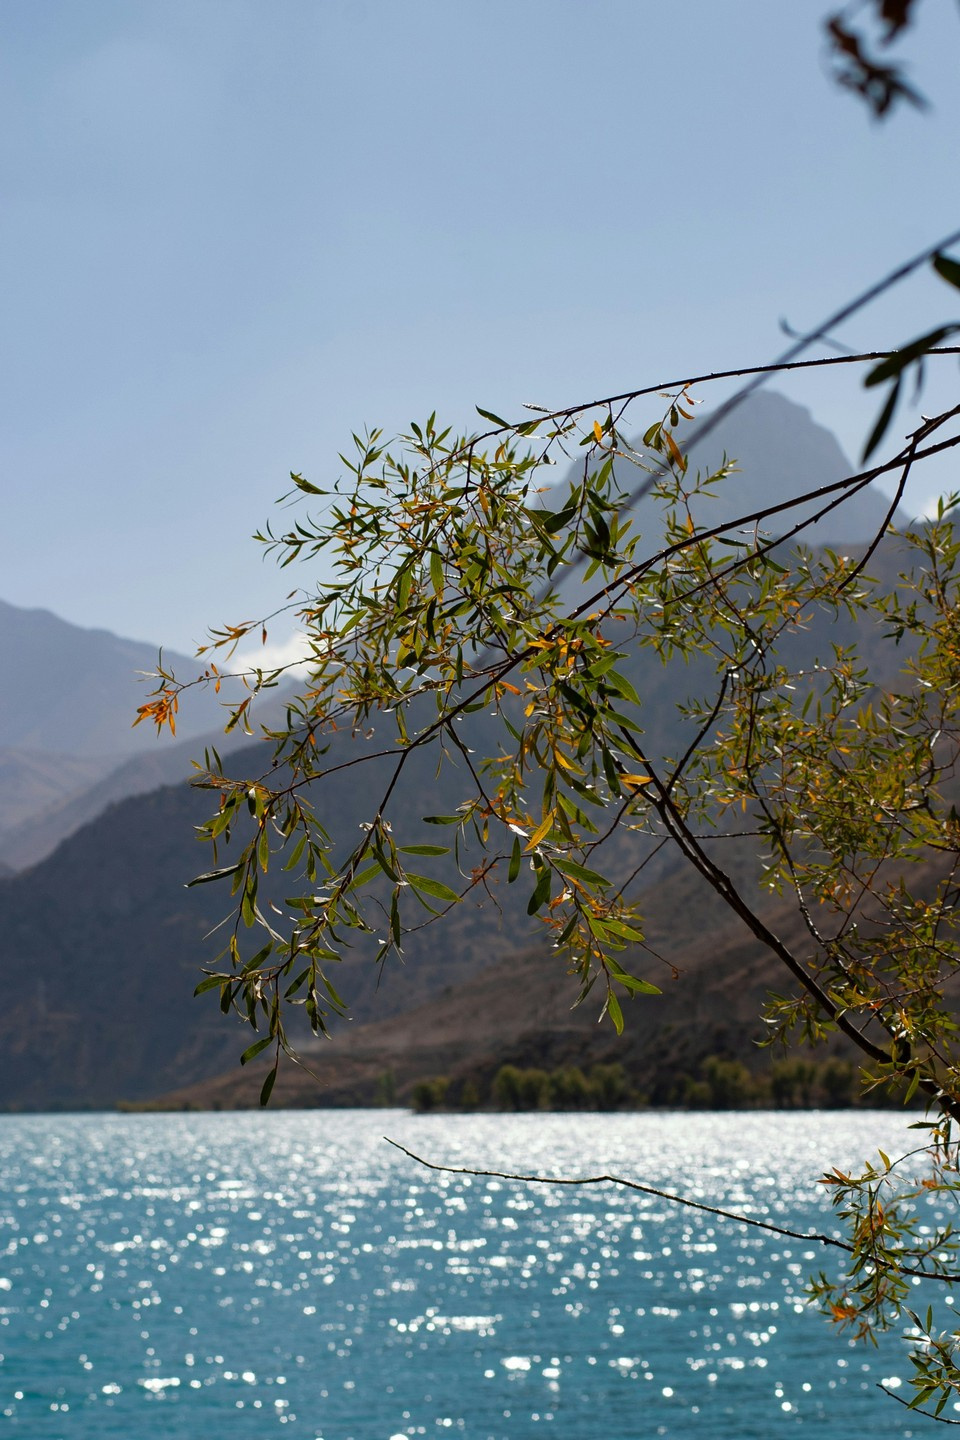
[[101, 945]]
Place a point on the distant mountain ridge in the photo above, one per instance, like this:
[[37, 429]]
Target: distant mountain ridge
[[49, 811], [68, 745], [66, 688], [780, 453], [101, 945]]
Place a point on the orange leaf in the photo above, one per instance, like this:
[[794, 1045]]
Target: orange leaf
[[674, 448]]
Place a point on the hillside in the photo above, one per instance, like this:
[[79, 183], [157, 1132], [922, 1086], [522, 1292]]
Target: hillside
[[68, 746], [519, 1011], [49, 805], [101, 945], [72, 691]]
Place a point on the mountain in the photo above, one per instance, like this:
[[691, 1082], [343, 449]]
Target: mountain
[[34, 782], [68, 747], [69, 690], [520, 1011], [101, 945], [780, 453], [47, 810]]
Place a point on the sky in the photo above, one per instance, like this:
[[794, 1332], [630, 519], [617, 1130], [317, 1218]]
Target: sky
[[235, 232]]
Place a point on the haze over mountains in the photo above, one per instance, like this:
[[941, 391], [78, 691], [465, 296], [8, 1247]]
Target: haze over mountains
[[68, 746], [101, 946]]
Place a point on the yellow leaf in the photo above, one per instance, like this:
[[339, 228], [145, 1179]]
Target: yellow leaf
[[597, 432], [540, 832], [635, 779]]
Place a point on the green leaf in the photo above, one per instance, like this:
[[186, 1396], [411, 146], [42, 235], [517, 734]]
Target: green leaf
[[363, 877], [436, 888], [255, 1049], [210, 875], [424, 849], [297, 852], [268, 1084], [515, 860], [296, 983], [436, 572], [896, 363], [331, 990], [210, 983], [637, 986], [442, 819], [257, 960], [623, 930], [883, 419], [541, 893], [614, 1011], [496, 419], [560, 518], [248, 903], [580, 872], [404, 585], [622, 685], [947, 269]]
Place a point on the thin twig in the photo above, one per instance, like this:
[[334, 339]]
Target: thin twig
[[683, 1200], [927, 1414]]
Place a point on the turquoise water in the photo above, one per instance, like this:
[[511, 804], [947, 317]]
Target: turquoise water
[[256, 1275]]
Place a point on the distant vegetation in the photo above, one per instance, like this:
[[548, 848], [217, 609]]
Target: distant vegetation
[[720, 1084]]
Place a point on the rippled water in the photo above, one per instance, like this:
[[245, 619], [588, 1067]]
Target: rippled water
[[235, 1275]]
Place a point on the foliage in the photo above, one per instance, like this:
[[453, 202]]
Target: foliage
[[430, 1094], [507, 627], [605, 1087], [856, 61], [724, 1084]]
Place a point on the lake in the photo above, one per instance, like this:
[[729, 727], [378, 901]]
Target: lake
[[254, 1275]]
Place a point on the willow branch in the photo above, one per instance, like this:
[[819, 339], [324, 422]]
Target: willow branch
[[818, 1236]]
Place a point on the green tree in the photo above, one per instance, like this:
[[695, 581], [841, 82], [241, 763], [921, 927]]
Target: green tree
[[429, 1095], [386, 1092], [729, 1082], [608, 1086], [569, 1089], [838, 1082], [508, 632], [506, 1088], [506, 628]]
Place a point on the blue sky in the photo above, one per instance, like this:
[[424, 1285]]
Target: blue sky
[[234, 232]]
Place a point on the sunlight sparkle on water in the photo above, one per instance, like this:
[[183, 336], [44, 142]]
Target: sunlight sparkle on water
[[245, 1274]]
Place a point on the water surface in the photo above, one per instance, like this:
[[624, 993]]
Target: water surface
[[255, 1275]]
